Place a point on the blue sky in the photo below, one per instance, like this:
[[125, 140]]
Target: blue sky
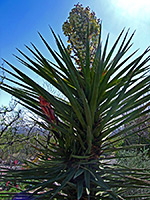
[[21, 19]]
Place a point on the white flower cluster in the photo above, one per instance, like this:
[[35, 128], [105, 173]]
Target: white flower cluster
[[75, 28]]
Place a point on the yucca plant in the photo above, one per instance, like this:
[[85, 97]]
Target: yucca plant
[[85, 126]]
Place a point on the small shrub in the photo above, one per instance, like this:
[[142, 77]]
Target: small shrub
[[135, 159]]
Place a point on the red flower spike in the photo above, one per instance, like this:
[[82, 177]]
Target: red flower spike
[[7, 183], [47, 109], [16, 161]]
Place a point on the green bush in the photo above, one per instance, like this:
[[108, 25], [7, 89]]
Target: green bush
[[135, 159]]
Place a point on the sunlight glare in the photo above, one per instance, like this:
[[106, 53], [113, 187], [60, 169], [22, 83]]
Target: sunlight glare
[[133, 7]]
